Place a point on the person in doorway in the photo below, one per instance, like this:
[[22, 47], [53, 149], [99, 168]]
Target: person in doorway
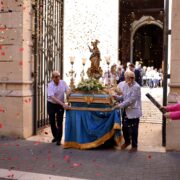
[[55, 105], [137, 73], [130, 101]]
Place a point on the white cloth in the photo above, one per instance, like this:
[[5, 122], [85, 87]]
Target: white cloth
[[57, 90]]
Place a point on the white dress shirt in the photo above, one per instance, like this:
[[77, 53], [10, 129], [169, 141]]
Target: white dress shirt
[[57, 90]]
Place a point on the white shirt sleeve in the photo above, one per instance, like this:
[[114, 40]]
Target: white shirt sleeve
[[50, 90], [66, 87]]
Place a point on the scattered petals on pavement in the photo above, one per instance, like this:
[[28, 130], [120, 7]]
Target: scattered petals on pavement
[[98, 174], [76, 164], [36, 143], [67, 158]]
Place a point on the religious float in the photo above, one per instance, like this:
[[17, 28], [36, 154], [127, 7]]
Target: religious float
[[91, 121]]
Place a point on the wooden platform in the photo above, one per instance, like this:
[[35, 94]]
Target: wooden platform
[[91, 98]]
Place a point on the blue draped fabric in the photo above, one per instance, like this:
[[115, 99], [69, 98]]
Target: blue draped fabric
[[87, 127]]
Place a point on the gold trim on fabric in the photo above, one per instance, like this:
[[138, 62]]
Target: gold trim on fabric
[[94, 144], [91, 109], [117, 126]]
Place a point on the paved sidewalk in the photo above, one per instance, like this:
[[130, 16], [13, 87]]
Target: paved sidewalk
[[49, 161], [150, 112]]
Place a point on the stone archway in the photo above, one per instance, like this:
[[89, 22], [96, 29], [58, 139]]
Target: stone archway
[[143, 21], [148, 46]]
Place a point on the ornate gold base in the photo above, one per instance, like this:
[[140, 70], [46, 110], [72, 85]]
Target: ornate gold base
[[94, 73]]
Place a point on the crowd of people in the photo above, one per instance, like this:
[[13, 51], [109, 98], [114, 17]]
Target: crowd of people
[[151, 77], [144, 76]]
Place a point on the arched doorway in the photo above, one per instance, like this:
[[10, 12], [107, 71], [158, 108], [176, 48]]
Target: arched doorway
[[148, 45]]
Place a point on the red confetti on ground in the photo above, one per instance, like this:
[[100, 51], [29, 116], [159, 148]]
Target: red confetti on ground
[[67, 158], [98, 165], [98, 174], [76, 164], [49, 157], [36, 143], [149, 156]]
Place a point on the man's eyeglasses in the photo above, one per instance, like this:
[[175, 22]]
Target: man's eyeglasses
[[56, 76]]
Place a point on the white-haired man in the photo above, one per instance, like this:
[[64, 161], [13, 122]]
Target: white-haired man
[[130, 101], [55, 105]]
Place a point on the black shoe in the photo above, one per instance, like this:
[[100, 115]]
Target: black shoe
[[58, 143], [53, 140], [133, 149]]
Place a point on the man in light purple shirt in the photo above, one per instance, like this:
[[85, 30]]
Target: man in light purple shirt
[[55, 105], [130, 101]]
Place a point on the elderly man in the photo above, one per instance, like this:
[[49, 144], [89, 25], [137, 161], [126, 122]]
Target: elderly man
[[137, 73], [55, 105], [130, 101]]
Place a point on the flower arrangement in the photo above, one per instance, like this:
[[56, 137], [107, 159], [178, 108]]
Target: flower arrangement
[[90, 85]]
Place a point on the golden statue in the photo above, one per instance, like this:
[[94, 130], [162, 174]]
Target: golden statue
[[95, 70]]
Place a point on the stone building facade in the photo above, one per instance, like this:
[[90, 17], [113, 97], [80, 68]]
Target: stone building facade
[[16, 66]]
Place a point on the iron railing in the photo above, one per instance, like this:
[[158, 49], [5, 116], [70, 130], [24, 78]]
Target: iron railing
[[48, 52]]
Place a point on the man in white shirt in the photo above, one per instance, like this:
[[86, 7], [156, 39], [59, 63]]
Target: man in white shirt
[[55, 105]]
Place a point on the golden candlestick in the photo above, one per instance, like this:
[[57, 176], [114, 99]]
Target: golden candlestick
[[72, 73], [82, 72], [108, 61]]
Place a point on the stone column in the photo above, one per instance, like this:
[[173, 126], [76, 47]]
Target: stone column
[[173, 128], [16, 66]]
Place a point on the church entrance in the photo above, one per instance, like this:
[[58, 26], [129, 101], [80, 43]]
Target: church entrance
[[148, 46]]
